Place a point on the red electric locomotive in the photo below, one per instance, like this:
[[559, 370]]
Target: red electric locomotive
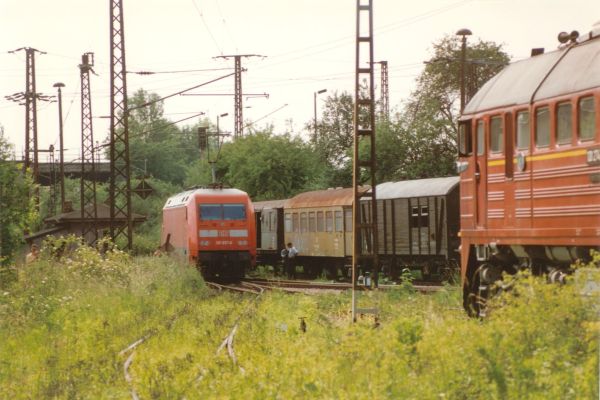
[[529, 165], [213, 228]]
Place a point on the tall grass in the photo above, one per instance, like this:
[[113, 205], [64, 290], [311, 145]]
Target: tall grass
[[64, 323]]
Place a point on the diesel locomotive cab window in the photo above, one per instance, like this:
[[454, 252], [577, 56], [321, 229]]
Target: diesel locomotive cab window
[[210, 212], [587, 119], [480, 138], [496, 135], [465, 143], [542, 127], [523, 130], [564, 123], [234, 212]]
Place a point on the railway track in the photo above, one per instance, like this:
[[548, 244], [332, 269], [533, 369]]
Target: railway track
[[302, 286]]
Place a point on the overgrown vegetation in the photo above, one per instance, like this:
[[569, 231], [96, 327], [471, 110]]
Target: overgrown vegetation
[[69, 315]]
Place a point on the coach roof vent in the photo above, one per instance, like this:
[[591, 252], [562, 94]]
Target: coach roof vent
[[594, 33]]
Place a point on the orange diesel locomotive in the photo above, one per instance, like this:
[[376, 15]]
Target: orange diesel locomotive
[[213, 228], [529, 165]]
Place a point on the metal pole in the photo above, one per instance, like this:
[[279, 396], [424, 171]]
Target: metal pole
[[315, 109], [60, 85], [463, 59]]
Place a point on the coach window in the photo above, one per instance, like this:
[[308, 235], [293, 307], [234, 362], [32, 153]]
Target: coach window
[[564, 123], [587, 119], [295, 222], [465, 141], [273, 217], [480, 138], [523, 130], [348, 219], [288, 222], [303, 222], [339, 222], [542, 127], [320, 222], [329, 221], [496, 135], [312, 225]]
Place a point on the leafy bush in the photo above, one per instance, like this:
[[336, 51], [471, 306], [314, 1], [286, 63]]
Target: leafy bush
[[65, 323]]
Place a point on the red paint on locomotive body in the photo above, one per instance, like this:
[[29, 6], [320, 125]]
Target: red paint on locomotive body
[[212, 228], [529, 166]]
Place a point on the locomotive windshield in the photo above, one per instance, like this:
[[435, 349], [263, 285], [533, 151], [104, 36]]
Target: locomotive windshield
[[234, 212], [228, 212]]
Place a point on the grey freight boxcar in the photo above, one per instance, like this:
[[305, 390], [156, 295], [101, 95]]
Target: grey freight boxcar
[[418, 225]]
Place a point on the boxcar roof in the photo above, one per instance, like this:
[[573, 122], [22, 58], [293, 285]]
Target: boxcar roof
[[567, 70], [323, 198], [261, 205], [416, 188]]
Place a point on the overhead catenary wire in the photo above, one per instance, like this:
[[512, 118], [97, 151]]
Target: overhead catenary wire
[[180, 92], [206, 26]]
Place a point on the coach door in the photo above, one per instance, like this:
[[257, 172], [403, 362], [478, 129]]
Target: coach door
[[480, 175]]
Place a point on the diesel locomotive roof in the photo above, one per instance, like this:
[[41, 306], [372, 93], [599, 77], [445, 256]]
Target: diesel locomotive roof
[[567, 70], [323, 198], [416, 188]]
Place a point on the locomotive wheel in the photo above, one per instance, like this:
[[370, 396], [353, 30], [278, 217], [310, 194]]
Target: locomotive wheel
[[481, 287], [474, 302]]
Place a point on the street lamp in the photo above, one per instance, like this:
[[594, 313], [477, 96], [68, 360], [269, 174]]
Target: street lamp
[[463, 59], [315, 108], [60, 85]]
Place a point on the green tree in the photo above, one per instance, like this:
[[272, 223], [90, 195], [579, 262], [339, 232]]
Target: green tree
[[427, 125], [335, 129], [157, 146], [266, 166], [17, 208]]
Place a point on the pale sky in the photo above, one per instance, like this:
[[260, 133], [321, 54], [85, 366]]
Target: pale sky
[[309, 45]]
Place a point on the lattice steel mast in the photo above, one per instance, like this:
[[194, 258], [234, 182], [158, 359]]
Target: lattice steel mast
[[364, 227], [120, 183], [29, 99], [239, 120], [385, 90], [89, 213]]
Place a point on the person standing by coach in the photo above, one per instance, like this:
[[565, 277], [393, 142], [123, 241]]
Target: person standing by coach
[[292, 252]]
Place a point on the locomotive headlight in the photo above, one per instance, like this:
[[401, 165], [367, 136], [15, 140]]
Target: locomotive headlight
[[243, 242], [461, 166]]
